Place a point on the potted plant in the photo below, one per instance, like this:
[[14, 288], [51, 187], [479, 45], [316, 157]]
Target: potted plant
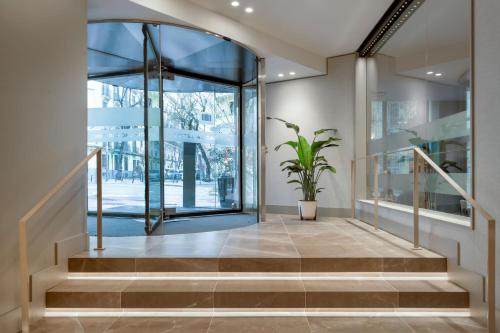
[[307, 168]]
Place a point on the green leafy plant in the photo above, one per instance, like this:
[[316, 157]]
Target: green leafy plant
[[310, 164]]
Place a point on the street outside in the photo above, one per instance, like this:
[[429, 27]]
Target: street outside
[[128, 196]]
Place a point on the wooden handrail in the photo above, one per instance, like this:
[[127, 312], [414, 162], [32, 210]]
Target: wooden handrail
[[491, 241], [23, 221]]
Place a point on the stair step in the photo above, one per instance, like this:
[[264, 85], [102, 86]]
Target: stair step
[[256, 294], [257, 264]]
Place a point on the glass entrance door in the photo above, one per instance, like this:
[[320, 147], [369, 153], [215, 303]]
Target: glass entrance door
[[169, 115], [202, 146], [152, 127]]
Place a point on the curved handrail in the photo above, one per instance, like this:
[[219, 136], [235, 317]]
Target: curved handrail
[[23, 221]]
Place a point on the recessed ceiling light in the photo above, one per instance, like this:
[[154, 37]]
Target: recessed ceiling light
[[281, 75], [235, 3], [430, 72], [292, 73], [249, 10], [438, 74]]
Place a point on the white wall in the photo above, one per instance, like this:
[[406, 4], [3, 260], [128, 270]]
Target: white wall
[[487, 122], [42, 130], [313, 103]]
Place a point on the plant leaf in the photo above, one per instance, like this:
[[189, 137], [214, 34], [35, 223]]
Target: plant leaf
[[296, 128], [328, 168], [323, 130], [320, 189], [293, 162], [290, 143], [317, 146], [304, 153]]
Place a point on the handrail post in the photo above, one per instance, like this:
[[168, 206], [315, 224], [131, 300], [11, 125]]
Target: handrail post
[[99, 201], [353, 189], [24, 278], [375, 192], [416, 198], [491, 276]]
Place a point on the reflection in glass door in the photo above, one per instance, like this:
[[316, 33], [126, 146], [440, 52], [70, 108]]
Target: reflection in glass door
[[152, 128], [202, 150], [170, 121]]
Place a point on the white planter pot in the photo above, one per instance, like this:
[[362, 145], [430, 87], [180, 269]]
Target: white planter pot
[[308, 209]]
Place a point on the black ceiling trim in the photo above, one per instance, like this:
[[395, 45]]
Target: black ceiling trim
[[395, 16]]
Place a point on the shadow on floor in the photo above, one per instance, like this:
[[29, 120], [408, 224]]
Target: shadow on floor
[[126, 226]]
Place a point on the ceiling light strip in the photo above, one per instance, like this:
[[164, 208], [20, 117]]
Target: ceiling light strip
[[396, 15]]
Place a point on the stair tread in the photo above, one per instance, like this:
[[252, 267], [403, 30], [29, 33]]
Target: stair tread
[[285, 285], [260, 264]]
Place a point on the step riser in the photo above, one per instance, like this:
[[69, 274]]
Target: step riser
[[309, 265], [257, 300]]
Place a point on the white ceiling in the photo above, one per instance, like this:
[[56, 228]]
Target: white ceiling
[[293, 35], [324, 27], [435, 38], [436, 24]]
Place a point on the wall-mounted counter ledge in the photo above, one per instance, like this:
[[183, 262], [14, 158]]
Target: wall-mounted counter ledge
[[440, 216]]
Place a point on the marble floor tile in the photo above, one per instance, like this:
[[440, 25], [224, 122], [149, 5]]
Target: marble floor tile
[[160, 325], [311, 324], [259, 325], [177, 264], [169, 294], [282, 236], [358, 325], [444, 325], [72, 325]]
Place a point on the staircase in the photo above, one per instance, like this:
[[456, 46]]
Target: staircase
[[374, 273]]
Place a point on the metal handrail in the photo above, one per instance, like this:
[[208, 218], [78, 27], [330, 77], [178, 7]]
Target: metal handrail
[[23, 221], [419, 154]]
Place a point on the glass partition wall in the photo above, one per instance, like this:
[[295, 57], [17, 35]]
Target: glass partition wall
[[173, 110], [419, 95]]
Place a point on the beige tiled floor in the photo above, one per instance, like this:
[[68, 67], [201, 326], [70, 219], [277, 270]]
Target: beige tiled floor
[[254, 325], [281, 237], [285, 238]]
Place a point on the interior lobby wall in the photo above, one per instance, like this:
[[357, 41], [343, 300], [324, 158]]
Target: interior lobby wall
[[441, 236], [487, 122], [43, 132], [313, 103]]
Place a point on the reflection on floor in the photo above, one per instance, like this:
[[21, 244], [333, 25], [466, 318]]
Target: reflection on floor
[[126, 226], [259, 325], [281, 236]]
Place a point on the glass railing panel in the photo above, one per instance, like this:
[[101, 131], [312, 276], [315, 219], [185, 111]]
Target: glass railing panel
[[396, 177], [436, 193], [437, 197]]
